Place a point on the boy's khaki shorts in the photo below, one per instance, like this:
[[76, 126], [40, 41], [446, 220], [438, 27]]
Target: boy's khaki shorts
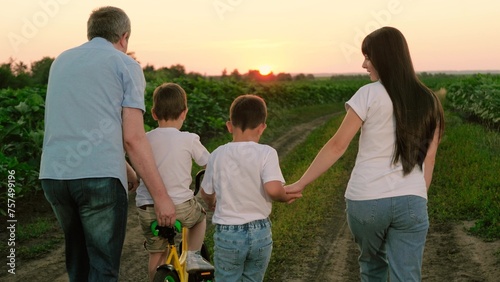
[[188, 213]]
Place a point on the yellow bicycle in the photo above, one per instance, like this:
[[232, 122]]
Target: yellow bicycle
[[174, 269]]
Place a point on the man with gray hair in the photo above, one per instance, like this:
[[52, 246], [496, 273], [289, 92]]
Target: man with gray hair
[[93, 116]]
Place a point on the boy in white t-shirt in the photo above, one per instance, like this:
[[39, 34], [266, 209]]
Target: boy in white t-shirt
[[174, 151], [241, 180]]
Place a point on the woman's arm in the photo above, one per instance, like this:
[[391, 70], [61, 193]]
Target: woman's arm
[[430, 158], [277, 193], [331, 151]]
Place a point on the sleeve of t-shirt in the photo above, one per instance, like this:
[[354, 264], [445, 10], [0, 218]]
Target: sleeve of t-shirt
[[271, 170], [134, 85], [198, 152], [359, 102]]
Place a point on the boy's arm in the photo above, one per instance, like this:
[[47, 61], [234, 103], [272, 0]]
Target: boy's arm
[[277, 192], [132, 178], [209, 199]]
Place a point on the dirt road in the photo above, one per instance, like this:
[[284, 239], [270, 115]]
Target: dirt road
[[450, 254]]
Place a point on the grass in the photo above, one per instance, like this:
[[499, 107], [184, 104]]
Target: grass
[[465, 187], [36, 237], [300, 226]]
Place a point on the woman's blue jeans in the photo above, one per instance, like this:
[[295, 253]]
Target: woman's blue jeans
[[390, 234], [93, 215], [242, 252]]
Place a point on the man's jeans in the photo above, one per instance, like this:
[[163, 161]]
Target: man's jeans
[[93, 215], [242, 252], [390, 234]]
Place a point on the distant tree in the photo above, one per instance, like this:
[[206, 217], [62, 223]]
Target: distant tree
[[224, 73], [284, 77], [235, 74], [177, 71], [149, 68], [6, 76], [19, 68], [310, 77], [40, 70], [194, 75], [300, 76], [253, 75]]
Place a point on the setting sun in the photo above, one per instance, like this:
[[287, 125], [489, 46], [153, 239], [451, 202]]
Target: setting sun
[[265, 70]]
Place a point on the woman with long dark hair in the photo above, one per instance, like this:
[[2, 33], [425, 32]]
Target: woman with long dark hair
[[401, 122]]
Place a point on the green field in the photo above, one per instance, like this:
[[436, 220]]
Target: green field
[[465, 185]]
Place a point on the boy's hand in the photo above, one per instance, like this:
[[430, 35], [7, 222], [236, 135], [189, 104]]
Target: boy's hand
[[292, 197], [294, 188], [211, 206]]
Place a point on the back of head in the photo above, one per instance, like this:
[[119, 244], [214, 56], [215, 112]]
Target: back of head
[[169, 101], [417, 110], [248, 111], [110, 23], [389, 54]]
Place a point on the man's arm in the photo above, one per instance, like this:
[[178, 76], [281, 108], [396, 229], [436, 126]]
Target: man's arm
[[141, 156]]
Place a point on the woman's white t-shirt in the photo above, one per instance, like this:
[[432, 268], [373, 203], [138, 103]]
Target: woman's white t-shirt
[[374, 175]]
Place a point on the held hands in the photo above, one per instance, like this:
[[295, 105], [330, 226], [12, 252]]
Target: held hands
[[294, 190], [291, 197]]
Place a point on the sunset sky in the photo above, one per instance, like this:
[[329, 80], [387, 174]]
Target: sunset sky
[[316, 36]]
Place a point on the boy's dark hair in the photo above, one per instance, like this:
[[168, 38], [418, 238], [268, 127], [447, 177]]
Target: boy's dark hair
[[169, 101], [248, 111]]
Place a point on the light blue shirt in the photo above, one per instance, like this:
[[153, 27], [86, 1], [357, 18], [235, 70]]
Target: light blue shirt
[[87, 89]]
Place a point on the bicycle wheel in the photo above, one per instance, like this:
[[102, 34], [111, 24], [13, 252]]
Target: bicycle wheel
[[165, 274]]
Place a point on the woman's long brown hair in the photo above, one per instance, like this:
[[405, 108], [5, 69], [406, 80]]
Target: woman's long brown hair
[[417, 110]]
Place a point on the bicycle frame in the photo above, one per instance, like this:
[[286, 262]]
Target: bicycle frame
[[175, 263], [179, 262]]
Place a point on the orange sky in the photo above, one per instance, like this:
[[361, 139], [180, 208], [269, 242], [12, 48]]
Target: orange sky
[[318, 36]]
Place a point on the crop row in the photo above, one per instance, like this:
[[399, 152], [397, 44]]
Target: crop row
[[22, 111], [478, 97], [22, 114]]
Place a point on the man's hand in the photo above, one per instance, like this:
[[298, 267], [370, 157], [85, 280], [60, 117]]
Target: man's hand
[[165, 212]]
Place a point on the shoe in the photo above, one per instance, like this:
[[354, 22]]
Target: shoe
[[195, 262]]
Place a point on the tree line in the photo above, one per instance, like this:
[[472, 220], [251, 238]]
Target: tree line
[[16, 74]]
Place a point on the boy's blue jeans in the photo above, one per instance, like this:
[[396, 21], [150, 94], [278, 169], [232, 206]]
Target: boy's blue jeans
[[390, 234], [93, 215], [242, 252]]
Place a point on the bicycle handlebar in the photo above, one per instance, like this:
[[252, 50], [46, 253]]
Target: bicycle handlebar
[[165, 231]]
